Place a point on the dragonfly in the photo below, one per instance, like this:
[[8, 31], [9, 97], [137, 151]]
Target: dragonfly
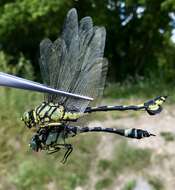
[[74, 71]]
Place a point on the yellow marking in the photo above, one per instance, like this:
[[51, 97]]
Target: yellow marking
[[72, 116], [43, 112], [163, 98], [54, 124], [35, 116], [46, 119], [127, 132], [57, 114], [159, 102], [93, 107], [51, 110], [140, 105], [109, 106], [50, 125], [39, 107], [153, 107], [51, 104]]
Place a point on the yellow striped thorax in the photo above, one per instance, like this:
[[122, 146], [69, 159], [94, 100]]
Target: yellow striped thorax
[[49, 114]]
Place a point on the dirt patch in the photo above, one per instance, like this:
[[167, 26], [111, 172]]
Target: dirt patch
[[163, 158]]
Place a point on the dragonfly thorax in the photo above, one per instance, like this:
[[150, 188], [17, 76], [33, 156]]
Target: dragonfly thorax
[[49, 114]]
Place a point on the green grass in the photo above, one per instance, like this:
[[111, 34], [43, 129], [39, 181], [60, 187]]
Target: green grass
[[130, 158], [103, 183], [140, 89], [168, 136], [104, 165], [25, 169], [156, 183], [127, 158], [130, 185], [36, 170], [32, 173]]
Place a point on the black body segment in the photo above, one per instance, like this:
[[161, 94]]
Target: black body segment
[[153, 107], [130, 133], [54, 139]]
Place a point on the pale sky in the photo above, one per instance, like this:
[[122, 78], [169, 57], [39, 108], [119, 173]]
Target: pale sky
[[173, 35]]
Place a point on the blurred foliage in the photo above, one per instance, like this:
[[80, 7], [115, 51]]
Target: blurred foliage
[[130, 185], [145, 88], [168, 136], [138, 32], [23, 66], [156, 183], [103, 183], [126, 158], [24, 23]]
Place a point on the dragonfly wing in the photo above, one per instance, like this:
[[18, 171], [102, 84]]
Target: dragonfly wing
[[90, 82], [74, 62], [59, 59]]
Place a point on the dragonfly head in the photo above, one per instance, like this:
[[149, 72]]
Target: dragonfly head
[[28, 119]]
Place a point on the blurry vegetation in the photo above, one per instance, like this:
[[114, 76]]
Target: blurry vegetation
[[143, 88], [130, 185], [103, 183], [126, 158], [168, 136], [22, 67], [138, 33], [156, 183]]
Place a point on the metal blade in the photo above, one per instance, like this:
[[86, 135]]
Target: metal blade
[[17, 82]]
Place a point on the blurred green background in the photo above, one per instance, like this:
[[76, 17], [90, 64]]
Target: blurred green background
[[140, 47]]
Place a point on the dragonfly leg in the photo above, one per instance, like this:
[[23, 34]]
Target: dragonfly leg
[[58, 147], [68, 152]]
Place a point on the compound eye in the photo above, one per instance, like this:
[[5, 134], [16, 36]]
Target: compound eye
[[25, 117]]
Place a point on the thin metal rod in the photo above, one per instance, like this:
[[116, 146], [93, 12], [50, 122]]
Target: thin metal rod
[[21, 83]]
